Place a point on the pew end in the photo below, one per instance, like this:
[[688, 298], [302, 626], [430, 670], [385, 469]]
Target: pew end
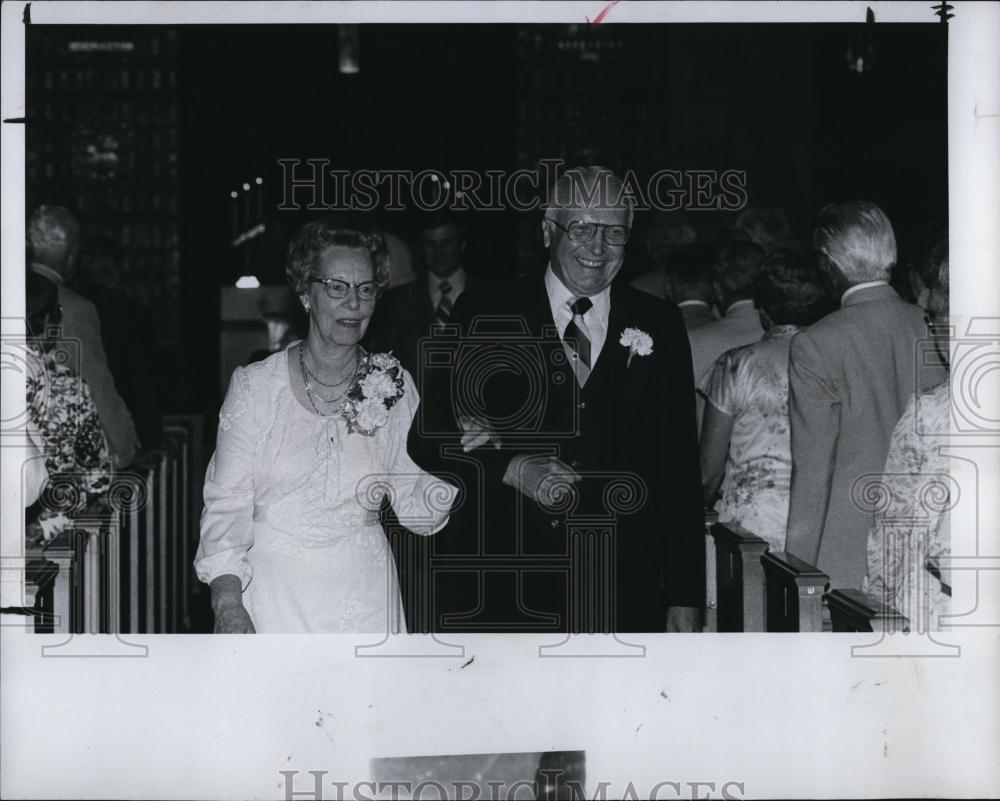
[[793, 593], [123, 565], [739, 578], [854, 610]]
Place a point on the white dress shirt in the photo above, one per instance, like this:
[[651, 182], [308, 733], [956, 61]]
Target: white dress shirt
[[595, 320], [859, 287]]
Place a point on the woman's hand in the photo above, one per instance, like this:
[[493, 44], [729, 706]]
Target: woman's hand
[[231, 617]]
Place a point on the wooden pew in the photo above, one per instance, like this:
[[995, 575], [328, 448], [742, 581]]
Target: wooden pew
[[123, 565], [793, 593], [192, 481], [739, 578], [854, 610]]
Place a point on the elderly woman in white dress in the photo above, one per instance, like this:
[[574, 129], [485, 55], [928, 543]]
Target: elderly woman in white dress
[[310, 442]]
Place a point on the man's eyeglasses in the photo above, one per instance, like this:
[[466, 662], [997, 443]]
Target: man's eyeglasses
[[338, 290], [579, 231]]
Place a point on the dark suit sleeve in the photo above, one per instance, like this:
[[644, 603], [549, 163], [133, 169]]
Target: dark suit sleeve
[[494, 461], [680, 511], [381, 335]]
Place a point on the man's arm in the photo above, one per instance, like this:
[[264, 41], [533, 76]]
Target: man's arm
[[814, 419], [680, 518], [83, 323]]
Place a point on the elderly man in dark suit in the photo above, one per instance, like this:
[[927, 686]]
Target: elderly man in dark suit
[[850, 377], [53, 250], [577, 403]]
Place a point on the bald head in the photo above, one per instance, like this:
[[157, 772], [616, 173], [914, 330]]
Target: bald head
[[54, 239]]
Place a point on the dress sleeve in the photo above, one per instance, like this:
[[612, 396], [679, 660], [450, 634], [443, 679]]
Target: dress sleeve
[[422, 502], [722, 385], [227, 520]]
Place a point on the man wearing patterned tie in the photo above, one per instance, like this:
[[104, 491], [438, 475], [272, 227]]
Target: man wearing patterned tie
[[410, 312], [582, 395]]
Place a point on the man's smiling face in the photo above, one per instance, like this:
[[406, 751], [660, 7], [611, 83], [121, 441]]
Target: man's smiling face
[[586, 268]]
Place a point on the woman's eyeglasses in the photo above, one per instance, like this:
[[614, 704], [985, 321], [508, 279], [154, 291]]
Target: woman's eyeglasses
[[579, 231], [338, 290]]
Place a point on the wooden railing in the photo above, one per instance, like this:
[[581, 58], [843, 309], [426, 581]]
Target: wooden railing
[[124, 565], [763, 590]]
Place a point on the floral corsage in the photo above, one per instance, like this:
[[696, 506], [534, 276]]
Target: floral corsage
[[379, 384], [638, 343]]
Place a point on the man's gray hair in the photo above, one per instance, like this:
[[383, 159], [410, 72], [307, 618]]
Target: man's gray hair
[[53, 232], [858, 239], [588, 188]]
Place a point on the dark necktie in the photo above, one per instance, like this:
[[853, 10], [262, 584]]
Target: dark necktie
[[443, 310], [574, 336]]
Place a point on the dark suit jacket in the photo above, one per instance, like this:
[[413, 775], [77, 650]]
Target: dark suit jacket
[[630, 431], [402, 318], [130, 345]]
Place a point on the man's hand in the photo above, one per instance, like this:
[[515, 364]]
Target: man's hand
[[545, 479], [683, 619], [476, 432]]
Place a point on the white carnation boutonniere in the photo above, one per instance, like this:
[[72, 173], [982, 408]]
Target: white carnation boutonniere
[[638, 343], [377, 387]]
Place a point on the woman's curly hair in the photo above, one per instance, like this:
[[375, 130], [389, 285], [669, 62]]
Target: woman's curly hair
[[345, 230]]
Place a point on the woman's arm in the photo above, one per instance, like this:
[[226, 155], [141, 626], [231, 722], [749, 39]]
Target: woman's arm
[[227, 519], [716, 430], [421, 501]]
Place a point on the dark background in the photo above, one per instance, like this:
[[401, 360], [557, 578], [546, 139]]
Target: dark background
[[197, 110]]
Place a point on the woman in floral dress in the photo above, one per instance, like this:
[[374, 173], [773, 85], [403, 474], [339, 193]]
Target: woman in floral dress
[[62, 416], [746, 457]]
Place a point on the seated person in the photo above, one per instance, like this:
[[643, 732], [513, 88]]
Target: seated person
[[63, 416], [745, 446]]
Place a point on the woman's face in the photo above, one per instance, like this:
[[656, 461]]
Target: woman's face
[[341, 321]]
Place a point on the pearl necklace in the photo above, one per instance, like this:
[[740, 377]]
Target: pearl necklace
[[308, 384]]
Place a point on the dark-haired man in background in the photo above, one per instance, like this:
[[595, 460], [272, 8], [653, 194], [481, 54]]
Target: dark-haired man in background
[[408, 313]]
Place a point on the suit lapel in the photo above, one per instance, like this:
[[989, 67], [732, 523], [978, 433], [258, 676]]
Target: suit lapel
[[558, 375], [537, 310], [625, 380]]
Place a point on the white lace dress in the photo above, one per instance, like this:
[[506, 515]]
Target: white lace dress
[[291, 501]]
